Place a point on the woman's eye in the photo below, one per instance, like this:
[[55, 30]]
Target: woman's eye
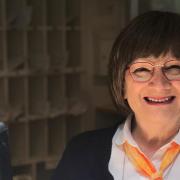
[[174, 69], [142, 69]]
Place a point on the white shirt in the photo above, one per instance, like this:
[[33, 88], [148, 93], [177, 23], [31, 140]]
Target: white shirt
[[122, 169]]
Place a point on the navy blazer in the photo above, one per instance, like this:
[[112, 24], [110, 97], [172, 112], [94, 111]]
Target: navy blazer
[[86, 157]]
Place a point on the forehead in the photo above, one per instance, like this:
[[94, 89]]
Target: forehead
[[160, 59]]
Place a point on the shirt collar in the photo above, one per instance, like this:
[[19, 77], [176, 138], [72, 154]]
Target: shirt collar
[[123, 133]]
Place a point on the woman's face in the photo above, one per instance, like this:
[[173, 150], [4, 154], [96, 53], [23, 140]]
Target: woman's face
[[157, 99]]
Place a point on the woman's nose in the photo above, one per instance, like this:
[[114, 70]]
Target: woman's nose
[[159, 80]]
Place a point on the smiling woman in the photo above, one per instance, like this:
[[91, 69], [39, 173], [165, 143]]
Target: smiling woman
[[154, 100], [144, 73]]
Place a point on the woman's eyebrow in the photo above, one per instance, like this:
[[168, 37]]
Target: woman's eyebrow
[[153, 59]]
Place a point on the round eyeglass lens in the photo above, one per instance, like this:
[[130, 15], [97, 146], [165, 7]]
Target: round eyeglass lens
[[171, 70], [141, 71]]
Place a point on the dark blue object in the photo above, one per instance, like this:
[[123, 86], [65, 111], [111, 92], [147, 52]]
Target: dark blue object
[[5, 167], [86, 157]]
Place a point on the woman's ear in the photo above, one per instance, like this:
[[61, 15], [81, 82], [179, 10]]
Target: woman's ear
[[124, 92]]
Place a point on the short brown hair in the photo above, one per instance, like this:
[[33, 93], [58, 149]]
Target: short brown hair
[[150, 34]]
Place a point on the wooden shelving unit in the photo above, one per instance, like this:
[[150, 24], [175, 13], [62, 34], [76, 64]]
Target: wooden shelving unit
[[40, 81]]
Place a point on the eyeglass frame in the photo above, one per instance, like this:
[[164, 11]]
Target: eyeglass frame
[[153, 66]]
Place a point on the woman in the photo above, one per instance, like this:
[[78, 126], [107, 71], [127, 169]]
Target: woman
[[145, 83]]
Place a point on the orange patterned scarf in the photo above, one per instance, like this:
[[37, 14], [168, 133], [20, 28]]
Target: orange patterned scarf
[[143, 164]]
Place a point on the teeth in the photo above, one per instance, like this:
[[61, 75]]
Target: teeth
[[159, 100]]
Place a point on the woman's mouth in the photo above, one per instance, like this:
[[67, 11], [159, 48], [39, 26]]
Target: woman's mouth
[[159, 100]]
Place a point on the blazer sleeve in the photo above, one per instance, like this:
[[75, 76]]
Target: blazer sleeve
[[75, 162], [86, 157]]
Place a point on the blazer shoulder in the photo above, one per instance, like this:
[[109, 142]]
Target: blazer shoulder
[[91, 138], [86, 156]]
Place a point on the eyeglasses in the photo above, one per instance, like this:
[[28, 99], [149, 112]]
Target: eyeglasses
[[144, 71]]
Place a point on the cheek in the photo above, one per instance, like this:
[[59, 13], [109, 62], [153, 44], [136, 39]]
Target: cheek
[[129, 84], [176, 84], [133, 99], [132, 92]]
